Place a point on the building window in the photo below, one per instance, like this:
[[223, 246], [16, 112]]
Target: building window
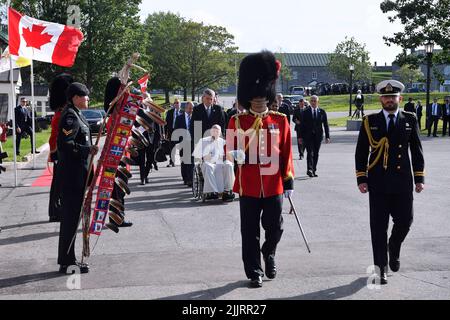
[[314, 75], [39, 103], [294, 75]]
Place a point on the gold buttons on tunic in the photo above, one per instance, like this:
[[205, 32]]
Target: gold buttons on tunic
[[398, 167], [399, 156]]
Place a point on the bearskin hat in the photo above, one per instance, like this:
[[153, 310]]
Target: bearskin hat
[[111, 91], [258, 73], [76, 89], [58, 87]]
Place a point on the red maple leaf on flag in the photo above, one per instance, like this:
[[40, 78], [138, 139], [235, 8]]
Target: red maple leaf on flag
[[35, 38]]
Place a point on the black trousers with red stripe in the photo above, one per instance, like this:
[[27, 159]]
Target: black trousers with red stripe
[[254, 211]]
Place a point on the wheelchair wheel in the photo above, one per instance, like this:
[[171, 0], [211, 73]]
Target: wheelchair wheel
[[195, 184]]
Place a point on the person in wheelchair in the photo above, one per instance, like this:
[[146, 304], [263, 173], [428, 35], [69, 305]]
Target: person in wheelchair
[[217, 170]]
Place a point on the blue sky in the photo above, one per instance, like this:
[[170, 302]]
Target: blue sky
[[291, 25]]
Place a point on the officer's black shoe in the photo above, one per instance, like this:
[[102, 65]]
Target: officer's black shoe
[[383, 277], [310, 174], [394, 259], [126, 224], [147, 180], [315, 174], [82, 267], [271, 268], [155, 166], [54, 219], [256, 282], [143, 183], [228, 196]]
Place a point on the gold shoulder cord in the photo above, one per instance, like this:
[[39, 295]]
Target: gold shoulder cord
[[256, 126], [381, 147]]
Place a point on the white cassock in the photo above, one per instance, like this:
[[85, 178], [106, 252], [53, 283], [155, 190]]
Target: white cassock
[[217, 173]]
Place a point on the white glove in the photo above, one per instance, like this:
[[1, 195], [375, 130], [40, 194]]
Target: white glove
[[238, 155], [288, 193]]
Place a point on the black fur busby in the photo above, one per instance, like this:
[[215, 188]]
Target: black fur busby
[[76, 89], [111, 91], [57, 90], [258, 73]]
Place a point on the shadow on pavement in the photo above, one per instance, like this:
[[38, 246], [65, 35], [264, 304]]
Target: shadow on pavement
[[20, 225], [208, 294], [20, 280], [332, 293], [27, 238]]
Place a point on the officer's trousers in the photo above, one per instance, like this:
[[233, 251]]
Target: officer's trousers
[[400, 207], [272, 222], [71, 208]]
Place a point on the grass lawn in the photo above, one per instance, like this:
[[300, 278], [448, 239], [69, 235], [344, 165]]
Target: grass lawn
[[342, 122], [25, 147], [340, 102]]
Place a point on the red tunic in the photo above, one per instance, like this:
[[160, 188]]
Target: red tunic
[[268, 168], [54, 133]]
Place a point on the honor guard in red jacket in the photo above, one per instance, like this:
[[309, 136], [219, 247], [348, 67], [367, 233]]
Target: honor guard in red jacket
[[260, 141], [383, 168]]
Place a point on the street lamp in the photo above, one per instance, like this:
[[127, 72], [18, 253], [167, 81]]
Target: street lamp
[[352, 69], [429, 51]]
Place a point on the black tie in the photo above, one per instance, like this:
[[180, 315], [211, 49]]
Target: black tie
[[391, 125]]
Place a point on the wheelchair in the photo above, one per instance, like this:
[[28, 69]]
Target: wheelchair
[[198, 183]]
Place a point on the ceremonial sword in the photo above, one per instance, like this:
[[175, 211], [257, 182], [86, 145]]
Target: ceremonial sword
[[298, 222]]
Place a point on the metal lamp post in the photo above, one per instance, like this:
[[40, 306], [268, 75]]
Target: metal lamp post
[[352, 69], [429, 51]]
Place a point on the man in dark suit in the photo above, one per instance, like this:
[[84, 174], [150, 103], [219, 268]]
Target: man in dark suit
[[23, 124], [296, 118], [383, 169], [313, 123], [434, 113], [419, 113], [171, 115], [446, 116], [206, 115], [283, 107], [409, 107], [183, 122]]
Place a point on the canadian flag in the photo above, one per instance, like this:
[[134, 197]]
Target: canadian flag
[[143, 83], [41, 40]]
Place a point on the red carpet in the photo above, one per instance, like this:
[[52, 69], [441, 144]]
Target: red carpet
[[44, 180]]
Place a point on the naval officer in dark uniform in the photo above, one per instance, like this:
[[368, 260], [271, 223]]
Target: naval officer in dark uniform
[[74, 147], [388, 136]]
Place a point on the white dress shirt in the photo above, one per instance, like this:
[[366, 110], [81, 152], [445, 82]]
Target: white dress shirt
[[386, 116]]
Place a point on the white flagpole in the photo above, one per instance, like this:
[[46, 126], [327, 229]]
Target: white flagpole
[[13, 93], [32, 116]]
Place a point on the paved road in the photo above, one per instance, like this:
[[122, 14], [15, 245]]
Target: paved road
[[181, 249]]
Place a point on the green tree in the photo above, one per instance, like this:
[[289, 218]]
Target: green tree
[[112, 32], [285, 73], [164, 47], [208, 58], [409, 74], [422, 20], [350, 52]]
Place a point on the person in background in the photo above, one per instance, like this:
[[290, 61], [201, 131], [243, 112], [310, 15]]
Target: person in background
[[23, 124], [313, 124], [283, 107], [409, 106], [446, 116], [296, 118], [171, 115], [57, 102], [419, 113], [359, 103], [434, 113], [183, 122]]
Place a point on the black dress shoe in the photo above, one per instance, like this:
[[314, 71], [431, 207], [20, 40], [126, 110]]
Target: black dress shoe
[[147, 180], [228, 196], [394, 261], [256, 282], [82, 267], [271, 268], [383, 277], [126, 224], [315, 174], [310, 174], [143, 183]]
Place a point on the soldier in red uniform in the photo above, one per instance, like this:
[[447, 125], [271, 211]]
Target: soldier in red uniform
[[266, 171]]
